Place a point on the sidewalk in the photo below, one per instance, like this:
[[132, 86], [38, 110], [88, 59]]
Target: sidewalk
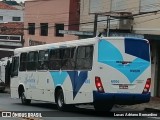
[[152, 106]]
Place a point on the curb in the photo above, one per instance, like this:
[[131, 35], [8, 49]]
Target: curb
[[152, 110]]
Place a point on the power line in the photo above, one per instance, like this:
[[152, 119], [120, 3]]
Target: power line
[[85, 19], [83, 23], [147, 20], [92, 22]]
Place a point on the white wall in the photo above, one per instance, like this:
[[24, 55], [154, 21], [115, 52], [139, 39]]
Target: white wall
[[149, 5], [88, 8], [99, 6], [8, 14], [118, 5]]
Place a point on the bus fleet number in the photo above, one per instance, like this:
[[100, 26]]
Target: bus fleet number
[[114, 81]]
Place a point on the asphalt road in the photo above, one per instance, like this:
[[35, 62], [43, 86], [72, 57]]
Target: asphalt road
[[49, 111]]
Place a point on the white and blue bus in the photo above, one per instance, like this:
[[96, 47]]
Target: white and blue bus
[[99, 71]]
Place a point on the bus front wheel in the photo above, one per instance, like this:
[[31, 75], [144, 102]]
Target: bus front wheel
[[60, 100], [24, 100]]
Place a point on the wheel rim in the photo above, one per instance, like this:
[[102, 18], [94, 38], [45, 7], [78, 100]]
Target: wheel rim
[[60, 100]]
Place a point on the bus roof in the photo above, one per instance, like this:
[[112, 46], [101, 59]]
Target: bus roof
[[71, 43], [57, 45]]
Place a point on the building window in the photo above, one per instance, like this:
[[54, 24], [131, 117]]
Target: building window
[[1, 18], [16, 18], [44, 29], [31, 28], [57, 28]]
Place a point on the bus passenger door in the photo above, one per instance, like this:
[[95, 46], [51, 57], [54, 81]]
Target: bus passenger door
[[31, 76], [14, 77]]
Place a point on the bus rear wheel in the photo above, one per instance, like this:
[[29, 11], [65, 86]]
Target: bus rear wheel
[[24, 100], [102, 107], [60, 100]]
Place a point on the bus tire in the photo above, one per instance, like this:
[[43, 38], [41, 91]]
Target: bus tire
[[102, 107], [24, 100], [60, 100]]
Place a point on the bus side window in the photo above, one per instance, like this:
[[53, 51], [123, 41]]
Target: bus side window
[[55, 59], [84, 57], [43, 60], [15, 65], [32, 60], [23, 62], [68, 62]]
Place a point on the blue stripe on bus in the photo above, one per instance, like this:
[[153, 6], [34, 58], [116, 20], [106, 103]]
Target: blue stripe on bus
[[109, 54], [107, 51], [132, 48], [77, 80], [58, 77]]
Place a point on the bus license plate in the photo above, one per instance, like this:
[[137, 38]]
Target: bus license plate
[[123, 86]]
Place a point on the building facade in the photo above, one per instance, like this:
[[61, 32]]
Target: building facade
[[144, 16], [11, 29], [44, 19], [11, 35], [10, 14]]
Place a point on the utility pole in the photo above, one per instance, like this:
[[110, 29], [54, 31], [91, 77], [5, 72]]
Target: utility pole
[[95, 25], [108, 25]]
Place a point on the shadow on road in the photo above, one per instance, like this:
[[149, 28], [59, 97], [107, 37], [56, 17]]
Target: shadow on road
[[70, 112]]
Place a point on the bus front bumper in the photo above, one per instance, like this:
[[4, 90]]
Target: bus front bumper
[[121, 98]]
